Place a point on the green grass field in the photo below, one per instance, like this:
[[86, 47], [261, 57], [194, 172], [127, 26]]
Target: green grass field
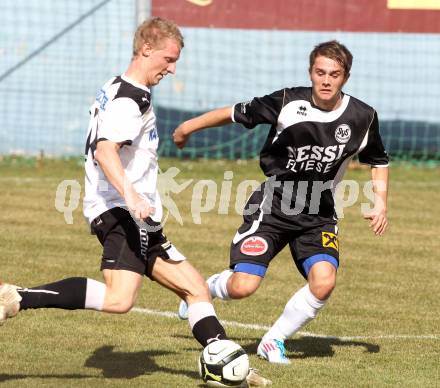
[[381, 327]]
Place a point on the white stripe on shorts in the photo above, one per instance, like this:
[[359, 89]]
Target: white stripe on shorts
[[174, 254], [253, 228]]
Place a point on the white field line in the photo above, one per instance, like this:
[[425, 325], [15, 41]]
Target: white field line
[[249, 326]]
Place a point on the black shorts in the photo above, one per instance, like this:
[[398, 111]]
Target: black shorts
[[126, 246], [262, 236]]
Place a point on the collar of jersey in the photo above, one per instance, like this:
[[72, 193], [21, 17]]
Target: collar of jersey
[[134, 83]]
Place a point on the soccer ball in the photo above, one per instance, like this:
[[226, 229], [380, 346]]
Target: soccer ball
[[223, 363]]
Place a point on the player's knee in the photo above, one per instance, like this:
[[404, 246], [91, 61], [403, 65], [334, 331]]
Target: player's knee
[[123, 306], [323, 287], [118, 303], [322, 279], [240, 287]]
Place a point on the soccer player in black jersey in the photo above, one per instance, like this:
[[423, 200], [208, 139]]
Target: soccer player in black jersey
[[122, 203], [315, 132]]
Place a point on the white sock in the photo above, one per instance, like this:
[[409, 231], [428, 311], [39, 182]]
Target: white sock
[[300, 309], [95, 294], [198, 311], [217, 284]]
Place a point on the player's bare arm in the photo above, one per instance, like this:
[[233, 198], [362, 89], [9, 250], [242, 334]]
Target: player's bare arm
[[108, 158], [217, 117], [378, 216]]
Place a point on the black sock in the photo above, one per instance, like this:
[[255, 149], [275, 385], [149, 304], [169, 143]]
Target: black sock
[[208, 329], [69, 294]]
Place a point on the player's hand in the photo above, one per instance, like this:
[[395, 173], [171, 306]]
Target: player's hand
[[139, 207], [180, 136], [143, 210], [378, 221]]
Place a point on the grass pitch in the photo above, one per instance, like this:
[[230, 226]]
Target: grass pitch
[[381, 328]]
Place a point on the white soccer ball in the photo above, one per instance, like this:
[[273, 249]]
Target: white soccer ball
[[223, 363]]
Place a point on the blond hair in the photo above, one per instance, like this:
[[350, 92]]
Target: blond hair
[[154, 31]]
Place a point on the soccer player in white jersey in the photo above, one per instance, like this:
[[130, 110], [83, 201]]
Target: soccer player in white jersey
[[315, 131], [122, 203]]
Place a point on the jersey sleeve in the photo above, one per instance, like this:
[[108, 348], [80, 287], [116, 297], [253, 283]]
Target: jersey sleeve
[[121, 121], [374, 152], [260, 110]]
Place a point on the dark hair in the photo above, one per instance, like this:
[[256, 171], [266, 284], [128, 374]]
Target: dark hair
[[334, 50], [153, 31]]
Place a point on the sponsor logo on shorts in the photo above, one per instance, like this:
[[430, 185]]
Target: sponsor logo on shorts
[[254, 246], [330, 240], [143, 234]]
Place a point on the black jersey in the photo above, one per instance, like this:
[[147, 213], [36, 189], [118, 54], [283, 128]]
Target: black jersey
[[307, 148]]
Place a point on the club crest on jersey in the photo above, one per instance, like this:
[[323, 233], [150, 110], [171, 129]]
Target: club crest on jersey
[[343, 133], [330, 240], [254, 246]]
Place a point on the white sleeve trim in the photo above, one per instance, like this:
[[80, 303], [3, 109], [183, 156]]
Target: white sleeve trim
[[232, 113]]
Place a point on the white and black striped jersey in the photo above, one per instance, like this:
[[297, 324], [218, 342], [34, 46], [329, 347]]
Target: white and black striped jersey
[[310, 146], [122, 113]]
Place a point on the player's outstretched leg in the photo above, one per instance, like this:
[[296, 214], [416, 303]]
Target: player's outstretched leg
[[70, 294]]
